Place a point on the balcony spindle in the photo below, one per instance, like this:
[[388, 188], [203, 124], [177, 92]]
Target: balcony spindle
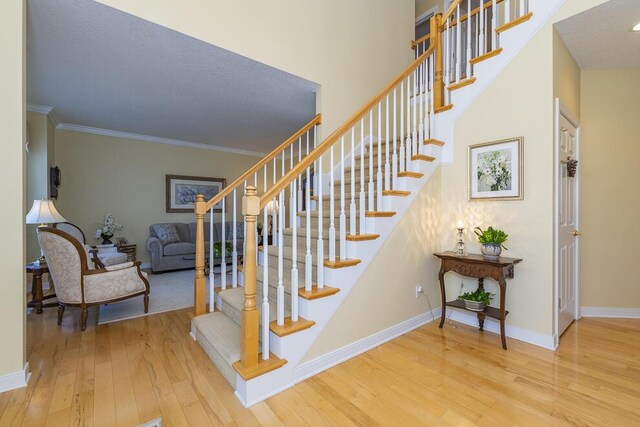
[[469, 42], [320, 244], [212, 281], [308, 259], [223, 250], [280, 289], [481, 40], [371, 190], [362, 206], [494, 24], [401, 166], [294, 256], [343, 217], [387, 167], [394, 156], [379, 172], [409, 143], [352, 204], [332, 225], [234, 253]]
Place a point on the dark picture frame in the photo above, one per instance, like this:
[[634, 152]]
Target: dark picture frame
[[181, 191]]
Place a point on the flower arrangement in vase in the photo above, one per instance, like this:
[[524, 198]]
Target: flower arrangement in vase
[[105, 232]]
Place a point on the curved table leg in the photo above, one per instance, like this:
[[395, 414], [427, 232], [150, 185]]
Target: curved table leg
[[503, 288], [443, 314]]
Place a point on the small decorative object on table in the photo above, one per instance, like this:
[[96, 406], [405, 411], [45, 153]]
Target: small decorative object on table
[[491, 241], [572, 166], [108, 227], [460, 243], [217, 249], [477, 300]]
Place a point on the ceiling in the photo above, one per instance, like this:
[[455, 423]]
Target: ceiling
[[601, 37], [102, 68]]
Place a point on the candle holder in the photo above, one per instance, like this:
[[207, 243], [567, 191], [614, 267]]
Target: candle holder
[[460, 242]]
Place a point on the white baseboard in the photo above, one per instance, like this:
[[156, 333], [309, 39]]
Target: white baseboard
[[491, 325], [313, 367], [15, 380], [616, 312]]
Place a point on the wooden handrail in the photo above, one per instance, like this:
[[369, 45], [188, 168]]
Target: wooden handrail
[[327, 143], [226, 191], [450, 10], [475, 11]]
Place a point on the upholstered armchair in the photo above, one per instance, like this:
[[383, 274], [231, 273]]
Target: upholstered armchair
[[101, 257], [79, 286]]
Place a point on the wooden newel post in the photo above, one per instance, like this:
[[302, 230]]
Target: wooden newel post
[[200, 282], [249, 323], [436, 29]]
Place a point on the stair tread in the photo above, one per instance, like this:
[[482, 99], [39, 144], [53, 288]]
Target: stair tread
[[222, 332]]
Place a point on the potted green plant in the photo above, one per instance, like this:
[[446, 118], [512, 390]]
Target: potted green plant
[[491, 241], [217, 249], [477, 300]]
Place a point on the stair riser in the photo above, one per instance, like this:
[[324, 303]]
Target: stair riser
[[227, 371]]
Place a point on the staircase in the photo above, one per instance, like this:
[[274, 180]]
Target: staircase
[[330, 204]]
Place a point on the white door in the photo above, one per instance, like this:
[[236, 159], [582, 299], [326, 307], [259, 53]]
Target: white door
[[567, 229]]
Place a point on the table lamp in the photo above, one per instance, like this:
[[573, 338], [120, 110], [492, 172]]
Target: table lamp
[[43, 212]]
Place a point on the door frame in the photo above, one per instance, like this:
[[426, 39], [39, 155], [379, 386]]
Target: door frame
[[562, 109]]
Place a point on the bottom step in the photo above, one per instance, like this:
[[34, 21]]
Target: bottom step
[[219, 337]]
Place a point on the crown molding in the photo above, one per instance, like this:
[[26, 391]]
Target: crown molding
[[156, 139], [46, 110]]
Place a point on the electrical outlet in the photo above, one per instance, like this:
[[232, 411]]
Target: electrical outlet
[[418, 290]]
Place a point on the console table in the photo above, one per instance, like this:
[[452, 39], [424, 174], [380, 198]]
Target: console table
[[479, 267]]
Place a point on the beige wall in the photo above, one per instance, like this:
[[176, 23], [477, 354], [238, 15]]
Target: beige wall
[[609, 202], [335, 43], [102, 174], [40, 158], [385, 296], [12, 209], [566, 76], [498, 114], [424, 5]]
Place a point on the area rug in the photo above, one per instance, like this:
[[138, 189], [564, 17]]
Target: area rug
[[169, 291]]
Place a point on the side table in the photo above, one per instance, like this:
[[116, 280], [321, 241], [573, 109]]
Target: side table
[[130, 249], [37, 297], [479, 267]]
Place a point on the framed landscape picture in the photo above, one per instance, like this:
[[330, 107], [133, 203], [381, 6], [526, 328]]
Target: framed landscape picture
[[182, 191], [495, 170]]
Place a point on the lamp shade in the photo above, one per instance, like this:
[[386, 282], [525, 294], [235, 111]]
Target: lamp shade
[[44, 212]]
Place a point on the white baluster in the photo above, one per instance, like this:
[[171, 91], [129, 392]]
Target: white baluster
[[415, 109], [394, 156], [447, 62], [280, 288], [494, 25], [401, 166], [343, 217], [274, 214], [292, 207], [352, 205], [458, 49], [481, 42], [294, 258], [282, 206], [362, 205], [379, 172], [234, 253], [422, 89], [332, 226], [425, 99], [387, 167], [300, 176], [265, 275], [507, 11], [432, 116], [409, 144], [223, 250], [212, 279], [308, 259], [469, 43], [371, 190], [265, 281], [320, 258], [522, 8]]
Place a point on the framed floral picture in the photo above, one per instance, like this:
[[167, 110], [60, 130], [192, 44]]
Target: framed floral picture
[[495, 170], [181, 191]]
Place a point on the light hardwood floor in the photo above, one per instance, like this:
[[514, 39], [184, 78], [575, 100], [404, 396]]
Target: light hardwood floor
[[133, 371]]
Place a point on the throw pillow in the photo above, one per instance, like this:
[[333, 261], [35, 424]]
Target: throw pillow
[[167, 233]]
